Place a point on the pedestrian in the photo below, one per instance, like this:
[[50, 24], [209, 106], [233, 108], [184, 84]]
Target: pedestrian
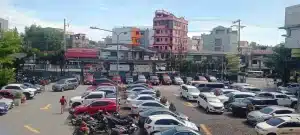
[[63, 103]]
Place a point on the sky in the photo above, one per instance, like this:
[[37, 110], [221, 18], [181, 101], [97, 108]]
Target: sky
[[262, 18]]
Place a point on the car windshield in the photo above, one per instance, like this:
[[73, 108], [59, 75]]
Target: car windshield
[[84, 94], [23, 87], [213, 100], [253, 89], [281, 96], [215, 85], [154, 77], [61, 81], [274, 121], [266, 110], [289, 93], [193, 90], [133, 96], [142, 77], [112, 95], [226, 92], [178, 78], [2, 104], [171, 131]]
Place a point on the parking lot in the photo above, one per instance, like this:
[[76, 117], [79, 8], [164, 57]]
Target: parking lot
[[41, 115]]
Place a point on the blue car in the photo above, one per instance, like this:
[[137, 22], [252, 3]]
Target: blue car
[[3, 108]]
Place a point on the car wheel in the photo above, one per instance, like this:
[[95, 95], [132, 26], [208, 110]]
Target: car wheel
[[271, 134], [207, 110]]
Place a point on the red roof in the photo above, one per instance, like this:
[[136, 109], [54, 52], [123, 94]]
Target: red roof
[[81, 53]]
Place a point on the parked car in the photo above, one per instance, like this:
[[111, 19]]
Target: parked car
[[249, 89], [236, 85], [266, 113], [211, 78], [236, 96], [86, 98], [147, 92], [7, 101], [210, 103], [154, 80], [288, 124], [117, 79], [28, 92], [200, 78], [178, 130], [65, 84], [88, 79], [162, 122], [154, 111], [131, 86], [10, 94], [106, 88], [38, 88], [3, 108], [187, 80], [177, 80], [223, 94], [281, 99], [142, 78], [149, 104], [208, 86], [189, 92], [135, 99], [165, 79], [106, 105], [241, 108]]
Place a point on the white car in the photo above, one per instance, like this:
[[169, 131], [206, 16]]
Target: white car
[[86, 98], [134, 99], [111, 88], [283, 125], [210, 103], [249, 89], [136, 90], [222, 94], [8, 102], [145, 105], [28, 92], [148, 92], [178, 80], [189, 92], [162, 122], [282, 99]]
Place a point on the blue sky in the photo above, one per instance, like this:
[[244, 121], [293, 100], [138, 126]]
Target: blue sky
[[261, 17]]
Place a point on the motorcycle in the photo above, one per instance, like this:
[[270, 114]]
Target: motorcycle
[[98, 122], [124, 130]]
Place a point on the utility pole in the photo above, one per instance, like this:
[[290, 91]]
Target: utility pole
[[64, 36], [237, 24]]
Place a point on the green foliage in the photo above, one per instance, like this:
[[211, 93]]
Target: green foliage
[[157, 94], [6, 76], [10, 43], [232, 63], [278, 60], [43, 39], [172, 107], [164, 100], [19, 95]]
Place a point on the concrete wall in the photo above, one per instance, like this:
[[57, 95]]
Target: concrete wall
[[123, 38], [3, 24], [292, 18]]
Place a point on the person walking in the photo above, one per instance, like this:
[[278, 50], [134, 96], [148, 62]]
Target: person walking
[[63, 103]]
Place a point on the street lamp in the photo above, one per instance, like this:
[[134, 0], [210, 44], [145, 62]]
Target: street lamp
[[118, 35]]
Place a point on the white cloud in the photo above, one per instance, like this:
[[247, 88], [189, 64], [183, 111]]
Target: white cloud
[[22, 18], [260, 34]]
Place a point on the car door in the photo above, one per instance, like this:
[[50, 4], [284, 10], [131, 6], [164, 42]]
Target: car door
[[204, 102], [200, 99], [90, 98], [96, 106], [139, 99], [289, 128], [283, 100], [164, 124]]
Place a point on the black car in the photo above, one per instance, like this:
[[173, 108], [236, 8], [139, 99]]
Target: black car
[[243, 107], [145, 114]]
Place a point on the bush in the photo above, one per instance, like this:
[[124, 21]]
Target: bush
[[157, 94], [6, 76], [172, 107], [163, 100], [19, 95]]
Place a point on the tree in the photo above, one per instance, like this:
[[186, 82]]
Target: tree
[[10, 44], [43, 39], [232, 63], [278, 62]]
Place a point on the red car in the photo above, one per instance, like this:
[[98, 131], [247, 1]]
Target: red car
[[88, 79], [10, 94], [117, 79], [108, 105]]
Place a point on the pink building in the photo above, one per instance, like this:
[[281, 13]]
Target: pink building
[[170, 33]]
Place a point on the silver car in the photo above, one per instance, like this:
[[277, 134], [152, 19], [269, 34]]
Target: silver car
[[267, 113], [146, 105], [8, 102], [65, 84]]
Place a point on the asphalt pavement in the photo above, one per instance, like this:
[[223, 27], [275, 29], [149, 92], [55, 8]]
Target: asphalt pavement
[[41, 115]]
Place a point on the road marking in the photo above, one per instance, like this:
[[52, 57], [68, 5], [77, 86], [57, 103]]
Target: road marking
[[188, 104], [205, 129], [31, 129], [46, 107]]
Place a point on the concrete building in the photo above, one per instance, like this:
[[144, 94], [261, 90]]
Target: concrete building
[[129, 35], [170, 33], [78, 41], [195, 43], [258, 58], [220, 39], [292, 26], [147, 38], [3, 24]]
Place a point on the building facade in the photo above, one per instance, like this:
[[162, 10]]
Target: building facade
[[78, 41], [129, 35], [195, 43], [220, 39], [170, 33], [147, 38], [3, 24]]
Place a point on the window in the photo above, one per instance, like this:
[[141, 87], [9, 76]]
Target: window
[[147, 92], [157, 31], [218, 42], [166, 122], [290, 125], [157, 40], [166, 47], [281, 96], [166, 31], [185, 133], [12, 87], [137, 33], [254, 61], [99, 103], [94, 96], [166, 39], [152, 104], [73, 80], [283, 112], [146, 98]]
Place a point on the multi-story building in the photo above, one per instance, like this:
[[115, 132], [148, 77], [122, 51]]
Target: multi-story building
[[3, 24], [220, 39], [170, 33], [195, 43], [129, 35], [292, 26], [147, 38], [78, 41]]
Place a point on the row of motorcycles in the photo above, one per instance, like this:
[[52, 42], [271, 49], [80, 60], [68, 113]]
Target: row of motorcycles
[[103, 122]]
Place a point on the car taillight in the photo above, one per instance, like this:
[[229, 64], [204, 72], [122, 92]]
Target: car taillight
[[148, 127], [134, 107]]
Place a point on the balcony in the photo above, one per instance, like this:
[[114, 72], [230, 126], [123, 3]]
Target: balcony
[[162, 18], [159, 27]]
